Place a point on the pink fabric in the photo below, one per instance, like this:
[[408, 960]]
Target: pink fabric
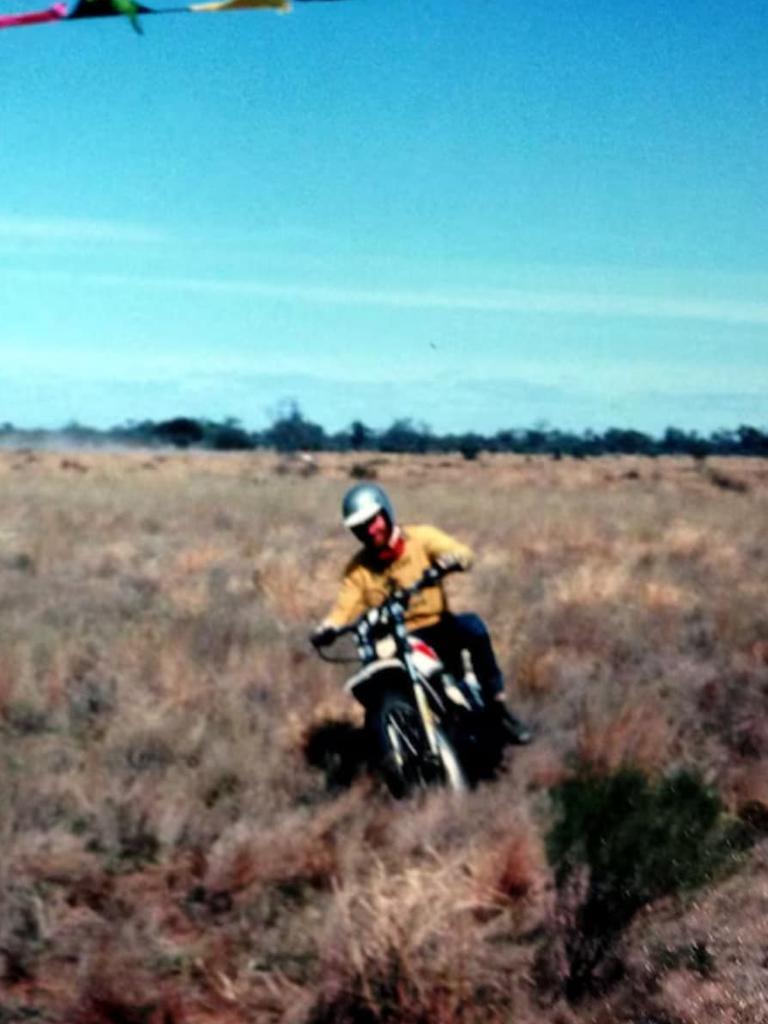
[[54, 13]]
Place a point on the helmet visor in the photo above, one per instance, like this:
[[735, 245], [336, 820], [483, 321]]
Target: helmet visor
[[361, 516]]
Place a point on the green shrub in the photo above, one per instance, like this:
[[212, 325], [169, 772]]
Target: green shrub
[[638, 840]]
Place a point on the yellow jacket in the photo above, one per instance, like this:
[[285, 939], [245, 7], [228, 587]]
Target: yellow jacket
[[367, 583]]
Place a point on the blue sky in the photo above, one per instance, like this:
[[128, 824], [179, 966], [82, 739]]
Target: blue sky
[[477, 213]]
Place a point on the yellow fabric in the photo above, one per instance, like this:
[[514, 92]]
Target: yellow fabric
[[365, 584], [241, 5]]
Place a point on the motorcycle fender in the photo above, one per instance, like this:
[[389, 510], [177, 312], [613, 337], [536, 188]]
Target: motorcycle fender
[[370, 681]]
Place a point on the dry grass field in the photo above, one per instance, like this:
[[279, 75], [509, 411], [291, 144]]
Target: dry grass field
[[169, 854]]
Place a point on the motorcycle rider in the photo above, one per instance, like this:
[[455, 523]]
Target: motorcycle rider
[[392, 556]]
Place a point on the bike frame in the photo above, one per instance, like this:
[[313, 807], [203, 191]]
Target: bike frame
[[406, 655], [390, 615]]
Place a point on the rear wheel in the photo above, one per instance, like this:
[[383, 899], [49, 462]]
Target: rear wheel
[[401, 751]]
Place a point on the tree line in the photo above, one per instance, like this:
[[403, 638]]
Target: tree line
[[291, 431]]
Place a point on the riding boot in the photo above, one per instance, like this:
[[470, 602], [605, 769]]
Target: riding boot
[[509, 728]]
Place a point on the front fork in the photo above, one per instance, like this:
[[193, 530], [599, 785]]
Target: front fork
[[427, 719], [422, 704]]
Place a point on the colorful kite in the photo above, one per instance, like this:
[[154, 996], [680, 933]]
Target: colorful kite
[[131, 9]]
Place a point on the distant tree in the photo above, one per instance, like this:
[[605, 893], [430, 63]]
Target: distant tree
[[133, 433], [81, 434], [228, 436], [724, 442], [507, 441], [675, 442], [360, 436], [699, 447], [752, 441], [576, 446], [627, 442], [470, 445], [290, 432], [403, 436], [536, 441], [180, 432]]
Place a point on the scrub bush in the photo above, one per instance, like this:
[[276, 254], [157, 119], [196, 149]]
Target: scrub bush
[[635, 840]]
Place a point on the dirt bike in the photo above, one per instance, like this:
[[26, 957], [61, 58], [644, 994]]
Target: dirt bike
[[424, 728]]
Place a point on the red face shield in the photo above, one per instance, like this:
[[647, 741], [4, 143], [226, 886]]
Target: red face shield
[[381, 538], [374, 533]]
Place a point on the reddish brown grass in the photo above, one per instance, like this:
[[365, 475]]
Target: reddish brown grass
[[168, 854]]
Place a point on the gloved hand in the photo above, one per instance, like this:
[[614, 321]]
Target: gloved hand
[[322, 636], [448, 563]]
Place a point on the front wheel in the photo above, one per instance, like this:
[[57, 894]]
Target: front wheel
[[401, 751]]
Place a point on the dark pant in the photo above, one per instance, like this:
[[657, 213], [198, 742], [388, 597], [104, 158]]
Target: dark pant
[[454, 633]]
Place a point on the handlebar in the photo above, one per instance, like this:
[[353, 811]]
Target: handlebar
[[378, 614]]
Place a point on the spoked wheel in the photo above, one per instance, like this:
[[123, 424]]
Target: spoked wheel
[[402, 752]]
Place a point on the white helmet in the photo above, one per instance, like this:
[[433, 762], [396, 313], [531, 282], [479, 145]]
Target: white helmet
[[362, 502]]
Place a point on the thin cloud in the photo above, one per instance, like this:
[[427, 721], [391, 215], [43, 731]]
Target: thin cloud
[[500, 300], [65, 229], [496, 301]]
